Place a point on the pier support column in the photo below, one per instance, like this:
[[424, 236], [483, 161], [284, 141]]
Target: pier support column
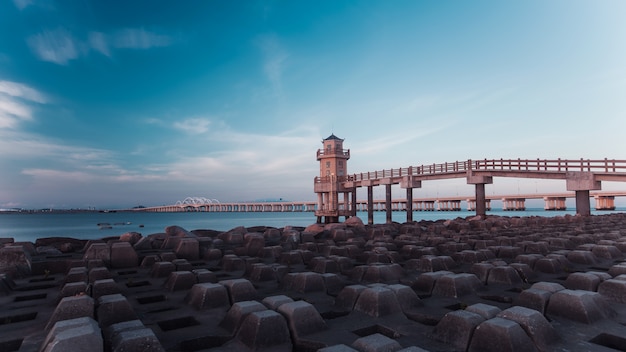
[[388, 209], [480, 182], [354, 204], [605, 202], [370, 205], [582, 183], [409, 182]]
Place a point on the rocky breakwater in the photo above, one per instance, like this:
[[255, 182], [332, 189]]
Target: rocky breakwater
[[474, 284]]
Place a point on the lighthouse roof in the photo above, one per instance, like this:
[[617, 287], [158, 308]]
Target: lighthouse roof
[[333, 137]]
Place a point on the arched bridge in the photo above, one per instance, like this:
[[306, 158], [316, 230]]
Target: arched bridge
[[581, 176]]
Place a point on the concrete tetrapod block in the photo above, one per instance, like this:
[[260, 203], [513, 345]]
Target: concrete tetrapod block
[[347, 297], [376, 343], [378, 301], [207, 295], [581, 306], [205, 275], [613, 289], [484, 310], [71, 308], [534, 323], [80, 334], [457, 285], [265, 331], [180, 280], [123, 255], [114, 309], [188, 248], [73, 289], [406, 296], [238, 312], [426, 281], [100, 251], [142, 340], [273, 302], [500, 335], [104, 287], [162, 269], [110, 333], [534, 298], [99, 273], [582, 281], [504, 275], [456, 328], [239, 290], [337, 348], [302, 319], [308, 282], [77, 274]]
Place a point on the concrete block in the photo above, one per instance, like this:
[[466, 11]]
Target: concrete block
[[180, 280], [114, 309], [71, 308], [581, 257], [484, 310], [123, 255], [456, 328], [551, 287], [111, 332], [80, 334], [613, 289], [481, 270], [273, 302], [99, 273], [581, 306], [504, 275], [377, 301], [302, 318], [582, 281], [534, 324], [534, 298], [99, 251], [253, 243], [231, 262], [239, 290], [188, 248], [548, 266], [182, 264], [500, 335], [337, 348], [142, 340], [262, 272], [617, 269], [308, 282], [205, 275], [265, 330], [238, 312], [607, 252], [347, 297], [376, 343], [207, 295], [457, 285], [162, 269], [104, 287], [77, 274], [73, 289], [407, 298], [426, 282]]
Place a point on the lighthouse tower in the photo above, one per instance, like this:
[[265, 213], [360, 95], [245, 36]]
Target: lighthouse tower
[[331, 182]]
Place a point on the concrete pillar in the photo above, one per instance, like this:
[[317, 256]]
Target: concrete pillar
[[583, 205], [354, 204], [370, 205], [409, 204], [480, 205], [388, 203]]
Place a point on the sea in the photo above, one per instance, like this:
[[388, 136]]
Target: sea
[[28, 227]]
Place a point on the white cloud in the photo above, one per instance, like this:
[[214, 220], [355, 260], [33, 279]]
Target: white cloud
[[57, 46], [275, 57], [15, 99], [193, 125], [139, 38], [22, 4]]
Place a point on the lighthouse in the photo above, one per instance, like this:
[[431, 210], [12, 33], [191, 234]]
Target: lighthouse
[[333, 197]]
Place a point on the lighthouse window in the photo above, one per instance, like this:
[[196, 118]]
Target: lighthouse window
[[340, 164], [327, 164]]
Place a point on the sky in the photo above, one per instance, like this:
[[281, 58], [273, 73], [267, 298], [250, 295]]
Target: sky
[[124, 103]]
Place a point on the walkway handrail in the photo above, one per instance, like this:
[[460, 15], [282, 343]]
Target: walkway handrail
[[518, 165]]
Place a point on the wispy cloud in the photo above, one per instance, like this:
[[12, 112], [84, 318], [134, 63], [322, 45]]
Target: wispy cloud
[[193, 125], [59, 46], [22, 4], [275, 57], [15, 103]]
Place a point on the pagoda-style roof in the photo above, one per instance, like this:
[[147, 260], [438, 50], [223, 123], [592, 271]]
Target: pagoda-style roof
[[333, 137]]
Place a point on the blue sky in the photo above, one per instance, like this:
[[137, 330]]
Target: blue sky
[[118, 103]]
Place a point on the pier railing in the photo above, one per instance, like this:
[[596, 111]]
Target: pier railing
[[518, 165]]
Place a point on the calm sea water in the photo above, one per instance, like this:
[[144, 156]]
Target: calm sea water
[[29, 227]]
